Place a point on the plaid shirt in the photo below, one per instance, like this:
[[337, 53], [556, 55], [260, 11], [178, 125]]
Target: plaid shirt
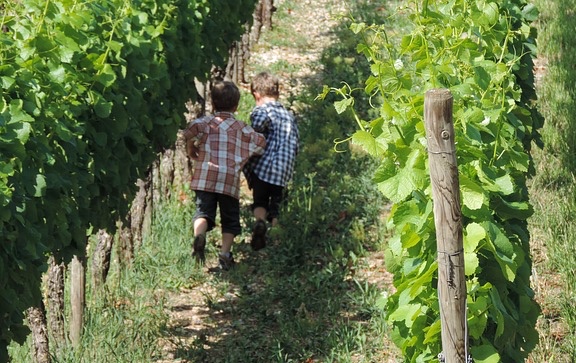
[[276, 166], [224, 145]]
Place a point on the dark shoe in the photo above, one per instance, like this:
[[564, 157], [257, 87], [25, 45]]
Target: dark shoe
[[199, 245], [258, 240], [226, 263]]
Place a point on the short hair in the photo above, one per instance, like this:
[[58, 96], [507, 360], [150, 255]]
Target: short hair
[[265, 84], [225, 96]]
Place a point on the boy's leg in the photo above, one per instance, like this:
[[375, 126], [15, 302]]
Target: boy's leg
[[260, 213], [230, 219], [258, 238], [199, 244], [277, 197], [204, 221], [227, 242], [200, 226], [274, 221], [261, 198], [276, 201]]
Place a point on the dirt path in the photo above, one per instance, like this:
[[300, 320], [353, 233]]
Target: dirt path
[[306, 30]]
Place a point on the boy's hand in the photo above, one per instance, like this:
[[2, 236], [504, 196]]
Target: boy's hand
[[192, 149]]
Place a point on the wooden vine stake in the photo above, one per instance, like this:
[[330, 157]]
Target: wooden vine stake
[[448, 221], [77, 298]]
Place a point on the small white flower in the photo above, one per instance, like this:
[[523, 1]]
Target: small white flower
[[485, 122], [398, 65]]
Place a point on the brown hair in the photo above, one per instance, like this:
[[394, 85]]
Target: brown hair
[[225, 96], [265, 84]]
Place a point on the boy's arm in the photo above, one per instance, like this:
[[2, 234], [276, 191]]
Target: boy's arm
[[259, 119], [258, 143], [192, 140], [192, 148]]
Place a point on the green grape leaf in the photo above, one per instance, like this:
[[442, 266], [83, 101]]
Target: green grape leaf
[[357, 27], [473, 195], [491, 13], [342, 105], [106, 76], [7, 82], [485, 354], [398, 183], [477, 317], [482, 77], [501, 242], [410, 238], [406, 313], [511, 210], [17, 113], [433, 331], [423, 280], [530, 12], [505, 184], [503, 250], [368, 142], [474, 234], [23, 131], [471, 263], [58, 74], [401, 185]]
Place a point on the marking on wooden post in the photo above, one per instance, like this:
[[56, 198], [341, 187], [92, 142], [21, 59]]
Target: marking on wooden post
[[448, 221]]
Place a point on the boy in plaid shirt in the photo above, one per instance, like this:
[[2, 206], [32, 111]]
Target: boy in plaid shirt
[[269, 174], [220, 146]]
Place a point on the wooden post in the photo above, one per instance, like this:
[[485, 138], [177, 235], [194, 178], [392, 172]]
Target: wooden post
[[101, 257], [77, 298], [448, 221], [37, 323], [56, 302]]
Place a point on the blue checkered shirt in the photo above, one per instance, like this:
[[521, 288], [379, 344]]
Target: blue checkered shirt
[[278, 125]]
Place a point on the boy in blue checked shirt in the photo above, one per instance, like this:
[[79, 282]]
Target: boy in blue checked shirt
[[268, 175], [220, 146]]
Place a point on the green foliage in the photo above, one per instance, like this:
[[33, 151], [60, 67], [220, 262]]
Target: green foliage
[[91, 91], [482, 52]]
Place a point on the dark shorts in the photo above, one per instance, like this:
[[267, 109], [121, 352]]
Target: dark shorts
[[206, 205], [267, 196]]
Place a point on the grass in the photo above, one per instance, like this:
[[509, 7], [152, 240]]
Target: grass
[[552, 190]]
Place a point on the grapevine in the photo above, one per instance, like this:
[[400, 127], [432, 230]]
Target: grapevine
[[482, 52], [91, 92]]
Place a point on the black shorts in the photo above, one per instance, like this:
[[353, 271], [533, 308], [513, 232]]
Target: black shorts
[[206, 205], [267, 196]]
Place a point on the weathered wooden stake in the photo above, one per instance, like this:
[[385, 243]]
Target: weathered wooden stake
[[448, 222], [37, 323], [77, 298], [101, 257], [56, 302]]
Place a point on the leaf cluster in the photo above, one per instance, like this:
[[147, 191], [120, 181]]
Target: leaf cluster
[[90, 92], [482, 51]]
